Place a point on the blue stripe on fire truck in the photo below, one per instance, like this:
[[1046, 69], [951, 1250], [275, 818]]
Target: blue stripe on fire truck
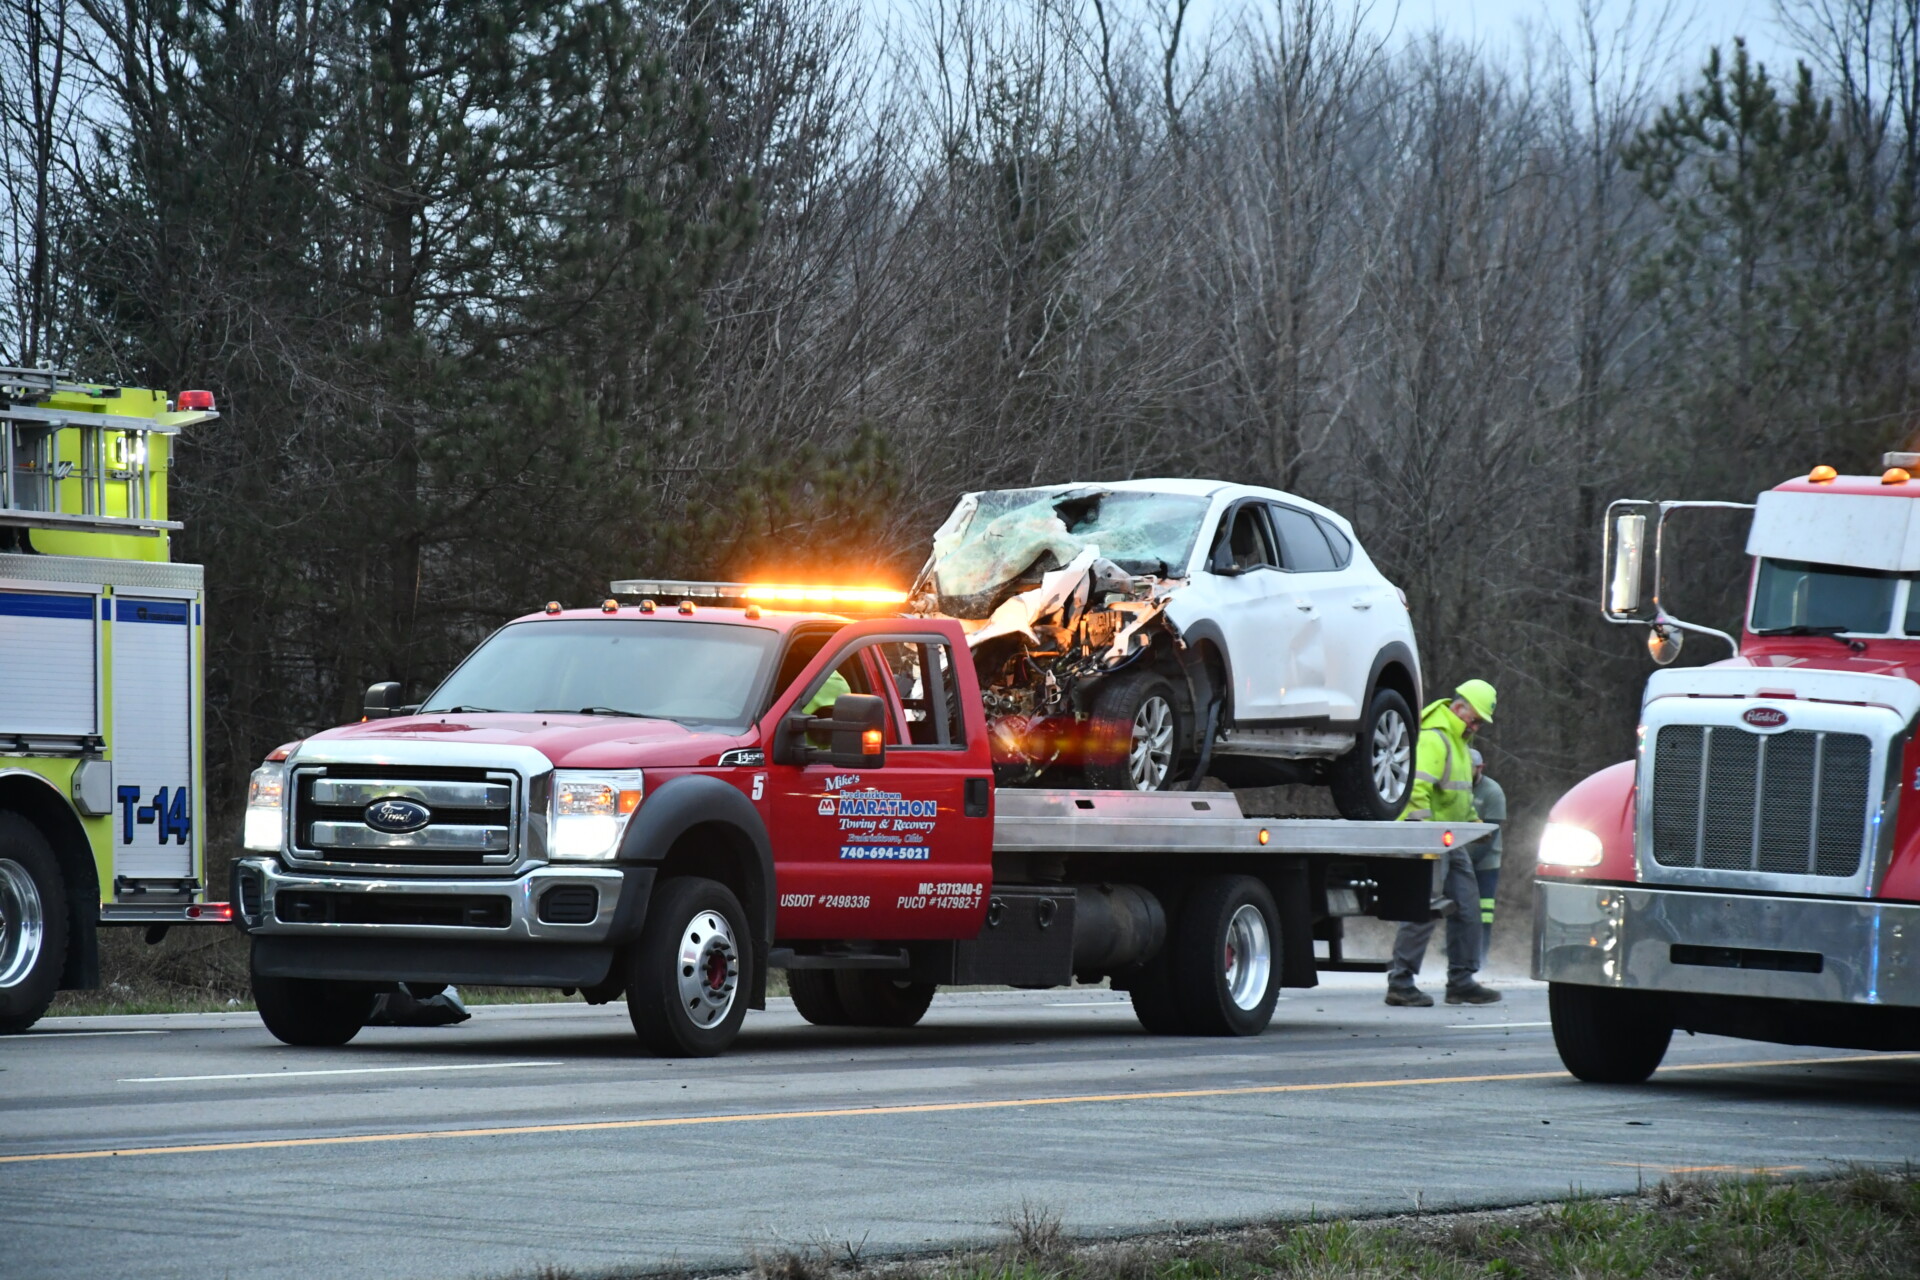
[[21, 604]]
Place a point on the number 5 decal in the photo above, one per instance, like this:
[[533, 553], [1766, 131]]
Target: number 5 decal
[[759, 785]]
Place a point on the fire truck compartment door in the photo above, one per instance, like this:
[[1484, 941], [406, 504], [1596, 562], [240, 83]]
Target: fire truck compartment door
[[49, 651], [153, 738]]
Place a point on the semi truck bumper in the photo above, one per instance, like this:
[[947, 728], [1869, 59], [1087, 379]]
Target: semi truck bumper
[[1817, 950], [550, 926]]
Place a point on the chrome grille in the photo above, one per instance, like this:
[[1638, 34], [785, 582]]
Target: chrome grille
[[1792, 803], [471, 817]]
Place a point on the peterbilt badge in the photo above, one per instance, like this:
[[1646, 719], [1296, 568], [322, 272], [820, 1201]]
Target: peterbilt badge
[[1765, 717], [397, 817]]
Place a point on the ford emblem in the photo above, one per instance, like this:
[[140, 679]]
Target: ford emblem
[[397, 817], [1765, 717]]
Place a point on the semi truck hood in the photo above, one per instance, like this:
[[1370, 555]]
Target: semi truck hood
[[569, 741], [1787, 677]]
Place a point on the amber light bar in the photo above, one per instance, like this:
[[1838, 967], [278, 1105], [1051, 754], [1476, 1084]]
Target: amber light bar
[[770, 593]]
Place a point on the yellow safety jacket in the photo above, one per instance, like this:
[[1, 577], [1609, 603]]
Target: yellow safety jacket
[[1442, 769]]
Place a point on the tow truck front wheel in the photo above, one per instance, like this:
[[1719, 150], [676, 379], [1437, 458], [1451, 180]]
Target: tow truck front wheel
[[685, 974], [1606, 1036], [312, 1012], [33, 924]]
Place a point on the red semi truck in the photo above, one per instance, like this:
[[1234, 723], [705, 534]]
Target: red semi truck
[[1755, 870], [666, 800]]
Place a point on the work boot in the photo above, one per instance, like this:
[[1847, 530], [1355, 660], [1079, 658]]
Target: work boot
[[1411, 997], [1472, 993]]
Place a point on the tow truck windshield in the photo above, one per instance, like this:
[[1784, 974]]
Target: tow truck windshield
[[1794, 597], [695, 673]]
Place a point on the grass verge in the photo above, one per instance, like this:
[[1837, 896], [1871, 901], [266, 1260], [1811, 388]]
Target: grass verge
[[1862, 1225]]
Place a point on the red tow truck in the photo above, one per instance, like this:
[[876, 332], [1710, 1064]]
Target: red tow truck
[[1755, 870], [666, 799]]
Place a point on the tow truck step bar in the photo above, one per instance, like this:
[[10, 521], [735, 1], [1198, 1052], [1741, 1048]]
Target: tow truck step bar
[[1189, 822]]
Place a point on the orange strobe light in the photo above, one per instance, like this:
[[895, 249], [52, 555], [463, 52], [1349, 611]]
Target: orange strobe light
[[794, 593], [1823, 474], [1895, 475]]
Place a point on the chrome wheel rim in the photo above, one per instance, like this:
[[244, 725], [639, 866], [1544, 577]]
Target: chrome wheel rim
[[1249, 957], [1392, 757], [1150, 750], [23, 923], [709, 969]]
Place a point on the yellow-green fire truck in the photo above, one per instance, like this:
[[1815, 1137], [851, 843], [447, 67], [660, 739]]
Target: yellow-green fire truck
[[101, 689]]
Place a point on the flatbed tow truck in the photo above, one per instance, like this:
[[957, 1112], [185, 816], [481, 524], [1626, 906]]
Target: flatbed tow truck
[[667, 799]]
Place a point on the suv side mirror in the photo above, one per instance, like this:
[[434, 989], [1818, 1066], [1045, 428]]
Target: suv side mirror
[[855, 727], [382, 700], [1221, 562]]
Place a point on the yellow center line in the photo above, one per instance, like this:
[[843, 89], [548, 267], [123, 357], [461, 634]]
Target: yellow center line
[[902, 1109]]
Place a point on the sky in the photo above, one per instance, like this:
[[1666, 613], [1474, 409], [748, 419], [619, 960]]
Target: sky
[[1499, 21]]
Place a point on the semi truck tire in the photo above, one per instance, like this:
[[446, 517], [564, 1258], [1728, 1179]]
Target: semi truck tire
[[1225, 957], [684, 973], [1371, 783], [1606, 1036], [312, 1012], [816, 997], [33, 924], [875, 998], [1137, 734]]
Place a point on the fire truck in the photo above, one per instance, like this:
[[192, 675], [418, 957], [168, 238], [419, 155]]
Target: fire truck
[[1754, 871], [692, 784], [100, 682]]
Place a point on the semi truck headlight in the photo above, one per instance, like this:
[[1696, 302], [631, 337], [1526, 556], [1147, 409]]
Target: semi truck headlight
[[266, 808], [590, 812], [1564, 845]]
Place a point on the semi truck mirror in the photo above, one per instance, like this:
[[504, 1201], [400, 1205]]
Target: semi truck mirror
[[1627, 596], [382, 701], [1663, 644], [859, 732]]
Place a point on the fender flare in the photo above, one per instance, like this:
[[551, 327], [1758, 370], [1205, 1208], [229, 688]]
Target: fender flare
[[692, 800], [1394, 651], [1209, 632], [37, 800]]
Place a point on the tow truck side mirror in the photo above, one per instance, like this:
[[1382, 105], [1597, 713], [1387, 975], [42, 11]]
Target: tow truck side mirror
[[382, 701], [856, 730]]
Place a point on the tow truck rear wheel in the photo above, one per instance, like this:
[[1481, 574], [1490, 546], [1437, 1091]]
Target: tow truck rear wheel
[[1224, 962], [312, 1012], [1606, 1036], [816, 998], [685, 974], [33, 924], [876, 998]]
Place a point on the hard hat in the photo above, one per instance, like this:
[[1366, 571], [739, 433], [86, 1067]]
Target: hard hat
[[1479, 695], [1479, 760]]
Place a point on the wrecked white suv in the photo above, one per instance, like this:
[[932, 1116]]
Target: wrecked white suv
[[1143, 634]]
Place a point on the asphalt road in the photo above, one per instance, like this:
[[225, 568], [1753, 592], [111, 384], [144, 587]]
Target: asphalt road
[[196, 1145]]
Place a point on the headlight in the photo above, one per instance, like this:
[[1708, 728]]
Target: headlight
[[266, 807], [1564, 845], [590, 812]]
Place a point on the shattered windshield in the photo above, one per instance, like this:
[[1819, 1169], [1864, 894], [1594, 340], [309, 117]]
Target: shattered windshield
[[1016, 534]]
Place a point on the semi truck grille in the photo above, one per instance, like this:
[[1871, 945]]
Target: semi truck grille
[[465, 817], [1792, 803]]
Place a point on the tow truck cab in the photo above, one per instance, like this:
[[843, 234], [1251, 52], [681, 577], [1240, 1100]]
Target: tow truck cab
[[515, 827], [1755, 870]]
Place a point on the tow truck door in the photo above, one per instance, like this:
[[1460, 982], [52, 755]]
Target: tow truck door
[[898, 852]]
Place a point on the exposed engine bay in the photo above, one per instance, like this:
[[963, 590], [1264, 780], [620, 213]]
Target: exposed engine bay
[[1058, 589]]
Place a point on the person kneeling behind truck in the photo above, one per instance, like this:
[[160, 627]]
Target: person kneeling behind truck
[[1443, 792]]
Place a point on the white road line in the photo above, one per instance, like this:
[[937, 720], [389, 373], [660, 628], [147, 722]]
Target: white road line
[[74, 1035], [1492, 1026], [339, 1071]]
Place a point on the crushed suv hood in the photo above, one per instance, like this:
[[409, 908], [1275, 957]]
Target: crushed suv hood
[[570, 741]]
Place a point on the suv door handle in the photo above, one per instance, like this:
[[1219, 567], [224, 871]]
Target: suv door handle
[[1303, 604], [1363, 604]]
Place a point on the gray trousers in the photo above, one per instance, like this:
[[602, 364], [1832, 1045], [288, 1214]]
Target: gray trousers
[[1463, 931]]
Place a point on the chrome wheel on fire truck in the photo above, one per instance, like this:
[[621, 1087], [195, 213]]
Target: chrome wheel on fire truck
[[1372, 781], [684, 975], [33, 923]]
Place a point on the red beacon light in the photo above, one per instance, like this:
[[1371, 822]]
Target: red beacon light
[[553, 606], [190, 400]]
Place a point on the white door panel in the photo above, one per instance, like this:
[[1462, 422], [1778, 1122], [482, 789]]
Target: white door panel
[[153, 738], [49, 660]]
